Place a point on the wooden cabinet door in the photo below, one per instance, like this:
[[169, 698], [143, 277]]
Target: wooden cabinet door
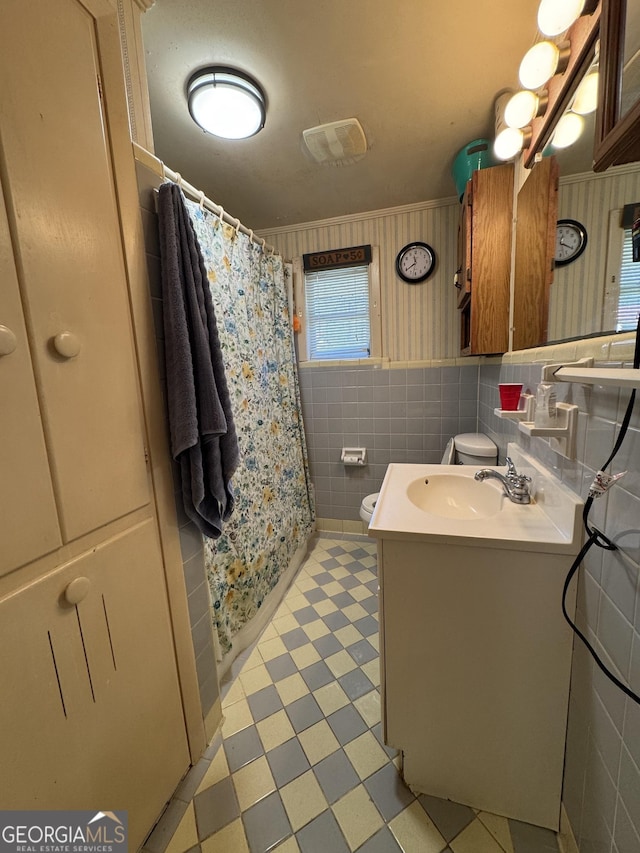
[[29, 520], [91, 714], [65, 228], [535, 249], [491, 227]]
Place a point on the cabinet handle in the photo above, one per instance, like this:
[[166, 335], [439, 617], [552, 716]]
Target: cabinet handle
[[77, 590], [67, 344], [8, 341]]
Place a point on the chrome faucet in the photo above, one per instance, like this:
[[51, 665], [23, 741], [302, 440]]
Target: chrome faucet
[[516, 486]]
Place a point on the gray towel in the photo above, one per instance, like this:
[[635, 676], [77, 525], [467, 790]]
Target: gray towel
[[203, 435]]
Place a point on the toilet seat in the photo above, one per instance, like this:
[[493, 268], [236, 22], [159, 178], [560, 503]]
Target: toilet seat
[[367, 506], [369, 503]]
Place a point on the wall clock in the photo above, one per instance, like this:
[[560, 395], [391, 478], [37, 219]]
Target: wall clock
[[571, 241], [415, 262]]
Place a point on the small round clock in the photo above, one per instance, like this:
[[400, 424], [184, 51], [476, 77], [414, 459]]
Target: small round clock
[[571, 241], [415, 262]]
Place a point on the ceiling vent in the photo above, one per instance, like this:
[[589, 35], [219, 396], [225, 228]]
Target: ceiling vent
[[338, 143]]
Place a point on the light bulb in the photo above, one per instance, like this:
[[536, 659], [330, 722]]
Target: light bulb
[[556, 16], [567, 130], [539, 64], [521, 109], [508, 143], [586, 99]]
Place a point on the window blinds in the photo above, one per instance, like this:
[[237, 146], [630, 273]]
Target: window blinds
[[337, 313], [629, 294]]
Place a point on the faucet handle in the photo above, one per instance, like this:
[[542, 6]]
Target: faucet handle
[[511, 468], [513, 476]]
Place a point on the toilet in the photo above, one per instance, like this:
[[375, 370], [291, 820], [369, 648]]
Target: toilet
[[468, 448]]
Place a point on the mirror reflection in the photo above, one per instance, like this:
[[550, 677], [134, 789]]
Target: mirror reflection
[[597, 292], [630, 90]]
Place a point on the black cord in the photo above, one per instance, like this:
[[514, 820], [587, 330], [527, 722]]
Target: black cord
[[595, 537]]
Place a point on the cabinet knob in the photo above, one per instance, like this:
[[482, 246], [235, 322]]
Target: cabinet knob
[[77, 590], [67, 344], [8, 341]]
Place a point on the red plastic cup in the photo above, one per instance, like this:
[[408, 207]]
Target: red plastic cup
[[509, 396]]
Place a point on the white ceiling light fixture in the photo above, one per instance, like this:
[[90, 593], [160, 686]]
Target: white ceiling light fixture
[[510, 141], [523, 107], [541, 62], [556, 16], [567, 130], [226, 102]]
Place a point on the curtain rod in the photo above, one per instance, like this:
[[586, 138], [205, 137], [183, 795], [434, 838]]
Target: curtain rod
[[156, 165]]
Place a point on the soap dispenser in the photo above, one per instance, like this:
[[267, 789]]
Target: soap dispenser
[[546, 411]]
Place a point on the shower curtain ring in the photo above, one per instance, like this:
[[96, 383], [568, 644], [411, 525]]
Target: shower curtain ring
[[179, 179], [264, 243], [221, 214], [202, 197], [237, 227], [251, 235]]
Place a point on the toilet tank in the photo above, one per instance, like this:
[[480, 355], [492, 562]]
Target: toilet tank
[[475, 448]]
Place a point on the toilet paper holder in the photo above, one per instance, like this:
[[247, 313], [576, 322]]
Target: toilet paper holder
[[354, 456]]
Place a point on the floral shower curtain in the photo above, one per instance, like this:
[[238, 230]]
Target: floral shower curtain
[[274, 511]]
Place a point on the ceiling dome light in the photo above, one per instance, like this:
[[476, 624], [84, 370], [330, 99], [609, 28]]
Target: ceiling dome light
[[509, 142], [540, 63], [226, 102], [586, 99], [523, 107], [567, 130], [556, 16]]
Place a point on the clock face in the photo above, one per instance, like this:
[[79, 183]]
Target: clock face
[[415, 262], [571, 241]]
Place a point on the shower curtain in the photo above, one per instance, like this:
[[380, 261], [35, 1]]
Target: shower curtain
[[274, 513]]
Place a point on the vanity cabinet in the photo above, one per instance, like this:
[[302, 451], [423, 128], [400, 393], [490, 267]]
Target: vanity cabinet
[[484, 261], [476, 660]]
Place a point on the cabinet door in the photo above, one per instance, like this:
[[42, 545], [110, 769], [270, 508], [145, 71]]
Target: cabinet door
[[62, 209], [491, 259], [464, 248], [535, 248], [27, 505], [91, 712]]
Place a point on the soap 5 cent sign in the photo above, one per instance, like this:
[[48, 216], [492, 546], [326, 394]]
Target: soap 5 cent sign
[[63, 832]]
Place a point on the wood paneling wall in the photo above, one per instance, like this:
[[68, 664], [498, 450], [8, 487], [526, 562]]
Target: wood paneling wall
[[418, 321]]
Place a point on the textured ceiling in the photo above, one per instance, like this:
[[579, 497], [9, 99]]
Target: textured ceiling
[[420, 76]]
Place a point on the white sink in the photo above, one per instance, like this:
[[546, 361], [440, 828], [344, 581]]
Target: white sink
[[455, 496], [453, 507]]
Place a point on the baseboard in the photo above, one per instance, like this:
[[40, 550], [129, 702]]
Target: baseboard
[[566, 838], [213, 720]]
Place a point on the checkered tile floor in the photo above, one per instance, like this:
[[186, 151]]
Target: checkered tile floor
[[300, 766]]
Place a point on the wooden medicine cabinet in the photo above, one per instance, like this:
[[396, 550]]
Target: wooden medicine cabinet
[[484, 261]]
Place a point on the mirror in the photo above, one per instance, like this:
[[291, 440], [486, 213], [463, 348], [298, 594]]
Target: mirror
[[618, 126], [582, 299]]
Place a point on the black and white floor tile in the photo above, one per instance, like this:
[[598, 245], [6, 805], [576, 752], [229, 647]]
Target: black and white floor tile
[[300, 765]]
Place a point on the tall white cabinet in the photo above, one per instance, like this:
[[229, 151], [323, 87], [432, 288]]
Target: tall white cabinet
[[91, 715]]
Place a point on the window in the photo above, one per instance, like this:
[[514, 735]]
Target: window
[[339, 310], [622, 290], [629, 288]]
